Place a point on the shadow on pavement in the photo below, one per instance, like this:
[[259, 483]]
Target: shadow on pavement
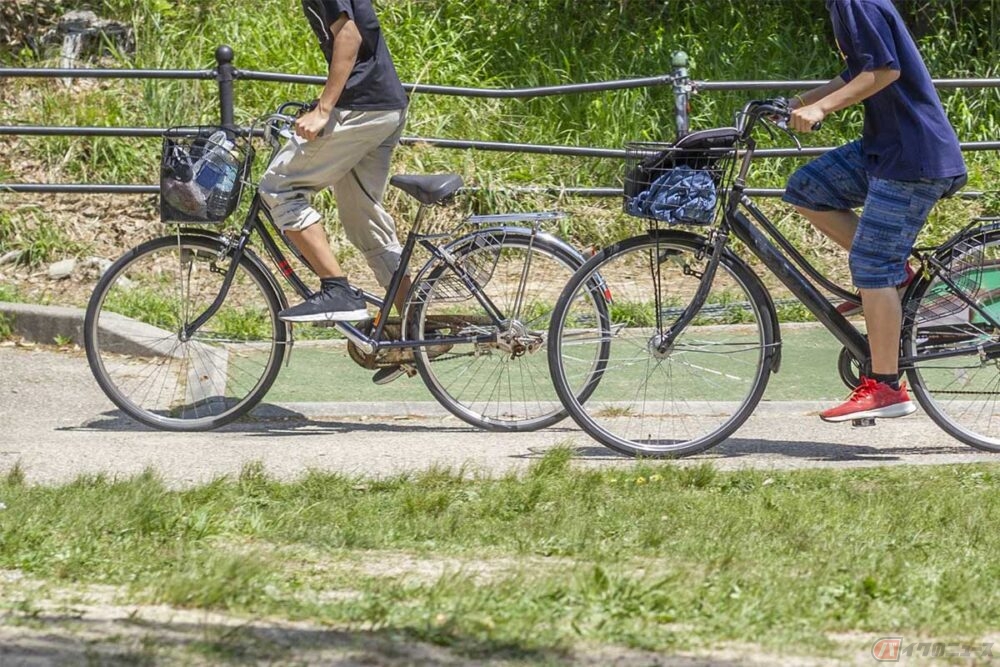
[[813, 451], [282, 421]]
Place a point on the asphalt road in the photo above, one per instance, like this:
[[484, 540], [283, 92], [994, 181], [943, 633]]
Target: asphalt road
[[57, 424]]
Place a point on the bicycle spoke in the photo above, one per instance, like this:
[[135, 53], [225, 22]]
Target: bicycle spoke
[[655, 394]]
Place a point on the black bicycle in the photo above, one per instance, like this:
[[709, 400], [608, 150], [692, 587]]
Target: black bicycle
[[182, 332], [682, 336]]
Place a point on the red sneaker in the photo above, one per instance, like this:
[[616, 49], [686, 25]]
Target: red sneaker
[[872, 399], [848, 309]]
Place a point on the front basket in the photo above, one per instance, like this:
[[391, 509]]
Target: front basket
[[202, 173]]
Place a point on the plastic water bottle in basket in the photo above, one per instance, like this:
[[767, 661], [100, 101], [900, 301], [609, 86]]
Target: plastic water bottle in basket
[[218, 173]]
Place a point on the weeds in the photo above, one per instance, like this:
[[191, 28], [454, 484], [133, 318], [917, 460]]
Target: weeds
[[651, 556], [486, 44]]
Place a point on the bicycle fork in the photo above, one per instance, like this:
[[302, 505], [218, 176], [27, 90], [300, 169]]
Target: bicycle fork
[[667, 336]]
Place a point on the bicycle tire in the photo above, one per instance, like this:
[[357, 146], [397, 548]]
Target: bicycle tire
[[486, 385], [959, 393], [642, 416], [133, 343]]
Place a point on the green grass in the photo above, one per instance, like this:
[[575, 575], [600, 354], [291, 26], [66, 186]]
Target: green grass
[[657, 557], [488, 44], [8, 293], [40, 238], [6, 326]]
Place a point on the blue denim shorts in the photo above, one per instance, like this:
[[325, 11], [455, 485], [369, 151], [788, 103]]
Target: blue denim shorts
[[893, 213]]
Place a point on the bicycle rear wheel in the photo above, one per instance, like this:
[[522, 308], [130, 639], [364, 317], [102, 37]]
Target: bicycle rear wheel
[[960, 393], [503, 383], [155, 374], [652, 401]]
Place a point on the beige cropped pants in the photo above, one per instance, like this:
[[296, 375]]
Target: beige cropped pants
[[352, 156]]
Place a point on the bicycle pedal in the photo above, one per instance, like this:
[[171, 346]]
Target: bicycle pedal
[[864, 421]]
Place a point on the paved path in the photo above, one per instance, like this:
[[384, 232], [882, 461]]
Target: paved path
[[55, 421]]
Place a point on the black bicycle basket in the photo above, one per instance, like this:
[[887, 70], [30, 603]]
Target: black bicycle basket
[[680, 183], [202, 172]]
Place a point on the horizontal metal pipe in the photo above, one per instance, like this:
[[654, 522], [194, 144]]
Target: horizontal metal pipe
[[98, 73], [497, 93], [798, 85], [107, 188], [579, 151], [80, 188], [619, 84], [494, 93]]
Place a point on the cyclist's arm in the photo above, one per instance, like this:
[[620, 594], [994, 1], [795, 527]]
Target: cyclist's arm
[[818, 93], [861, 87], [346, 44]]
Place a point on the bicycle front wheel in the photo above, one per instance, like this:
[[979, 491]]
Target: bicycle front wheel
[[510, 285], [655, 398], [134, 334], [956, 373]]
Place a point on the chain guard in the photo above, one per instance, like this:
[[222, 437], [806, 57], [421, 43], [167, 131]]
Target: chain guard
[[396, 356]]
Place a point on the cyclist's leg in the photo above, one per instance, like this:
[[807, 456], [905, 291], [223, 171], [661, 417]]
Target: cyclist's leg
[[300, 170], [894, 213], [359, 193], [827, 189]]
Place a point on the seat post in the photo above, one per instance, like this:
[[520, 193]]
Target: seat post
[[415, 227]]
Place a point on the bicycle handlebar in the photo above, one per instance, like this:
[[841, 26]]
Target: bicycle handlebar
[[776, 107], [279, 123]]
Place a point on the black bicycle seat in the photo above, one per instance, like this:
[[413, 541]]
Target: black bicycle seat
[[428, 188]]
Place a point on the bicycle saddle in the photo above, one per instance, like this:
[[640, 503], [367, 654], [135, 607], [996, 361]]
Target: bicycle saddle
[[428, 188]]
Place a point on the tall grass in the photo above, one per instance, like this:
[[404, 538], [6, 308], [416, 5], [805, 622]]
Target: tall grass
[[481, 43]]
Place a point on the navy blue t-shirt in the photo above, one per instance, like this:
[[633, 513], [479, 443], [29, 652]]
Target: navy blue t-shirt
[[907, 135], [373, 83]]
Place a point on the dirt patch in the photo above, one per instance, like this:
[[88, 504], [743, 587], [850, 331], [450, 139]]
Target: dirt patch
[[41, 624]]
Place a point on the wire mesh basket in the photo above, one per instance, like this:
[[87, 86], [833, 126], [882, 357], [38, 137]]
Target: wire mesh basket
[[202, 173], [681, 183], [967, 269], [478, 263]]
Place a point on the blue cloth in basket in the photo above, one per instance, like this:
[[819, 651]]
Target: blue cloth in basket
[[681, 195]]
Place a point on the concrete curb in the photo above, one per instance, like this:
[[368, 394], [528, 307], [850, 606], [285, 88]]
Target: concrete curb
[[43, 324]]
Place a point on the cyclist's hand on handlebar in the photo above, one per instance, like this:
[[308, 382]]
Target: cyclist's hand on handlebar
[[808, 118], [311, 124]]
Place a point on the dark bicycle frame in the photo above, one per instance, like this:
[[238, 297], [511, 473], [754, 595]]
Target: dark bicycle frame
[[374, 342], [792, 268]]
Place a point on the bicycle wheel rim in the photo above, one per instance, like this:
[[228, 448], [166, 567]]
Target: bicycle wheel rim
[[960, 393], [491, 385], [149, 370], [653, 402]]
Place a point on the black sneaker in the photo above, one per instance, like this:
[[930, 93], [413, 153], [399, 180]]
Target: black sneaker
[[333, 304], [391, 373]]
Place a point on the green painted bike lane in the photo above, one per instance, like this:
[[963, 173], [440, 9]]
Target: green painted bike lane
[[323, 373]]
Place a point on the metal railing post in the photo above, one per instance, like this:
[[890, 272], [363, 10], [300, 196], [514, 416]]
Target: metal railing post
[[225, 75], [682, 92]]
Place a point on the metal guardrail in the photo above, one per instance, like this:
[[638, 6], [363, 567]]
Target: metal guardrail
[[225, 74]]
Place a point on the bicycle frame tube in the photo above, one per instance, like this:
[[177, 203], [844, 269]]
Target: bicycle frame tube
[[795, 281], [793, 253], [374, 341]]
